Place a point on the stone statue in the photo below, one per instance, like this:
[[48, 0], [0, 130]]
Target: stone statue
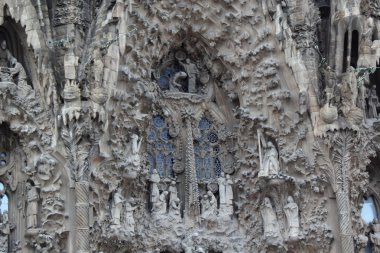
[[129, 220], [349, 88], [32, 206], [160, 207], [5, 55], [270, 164], [174, 85], [375, 237], [205, 206], [192, 73], [271, 228], [174, 206], [330, 82], [18, 70], [97, 68], [373, 103], [133, 161], [117, 207], [173, 189], [154, 191], [229, 195], [222, 189], [291, 212], [210, 205]]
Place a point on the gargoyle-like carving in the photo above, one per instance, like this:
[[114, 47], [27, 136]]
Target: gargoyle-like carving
[[72, 108]]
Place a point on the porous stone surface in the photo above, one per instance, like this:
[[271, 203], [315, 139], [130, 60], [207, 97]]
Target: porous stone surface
[[189, 126]]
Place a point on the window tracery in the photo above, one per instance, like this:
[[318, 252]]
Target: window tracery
[[160, 147], [207, 151]]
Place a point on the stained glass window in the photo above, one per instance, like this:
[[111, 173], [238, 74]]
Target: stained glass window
[[206, 149], [160, 147], [3, 159]]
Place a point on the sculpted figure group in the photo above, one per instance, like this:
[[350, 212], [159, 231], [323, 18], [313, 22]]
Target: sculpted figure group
[[272, 231], [122, 214]]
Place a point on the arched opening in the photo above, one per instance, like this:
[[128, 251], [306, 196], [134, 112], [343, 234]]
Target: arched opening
[[354, 48], [345, 52], [4, 222], [323, 30]]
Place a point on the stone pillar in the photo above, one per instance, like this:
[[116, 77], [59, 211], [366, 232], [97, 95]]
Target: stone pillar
[[345, 226], [192, 207], [82, 217]]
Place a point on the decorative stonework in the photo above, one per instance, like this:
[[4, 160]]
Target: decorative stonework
[[189, 126]]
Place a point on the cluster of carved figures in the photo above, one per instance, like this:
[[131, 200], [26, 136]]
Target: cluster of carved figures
[[189, 126]]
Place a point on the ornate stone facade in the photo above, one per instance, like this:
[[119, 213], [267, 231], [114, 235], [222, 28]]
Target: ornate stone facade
[[189, 126]]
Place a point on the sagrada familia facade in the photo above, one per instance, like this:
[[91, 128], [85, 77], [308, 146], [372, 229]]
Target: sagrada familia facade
[[184, 126]]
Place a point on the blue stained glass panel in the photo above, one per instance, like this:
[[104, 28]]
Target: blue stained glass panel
[[197, 149], [204, 124], [163, 82], [160, 160], [152, 136], [169, 147], [198, 166], [158, 121], [207, 167], [159, 146], [169, 165], [165, 135], [150, 159], [218, 167]]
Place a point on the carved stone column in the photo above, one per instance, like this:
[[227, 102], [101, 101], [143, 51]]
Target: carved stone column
[[82, 217], [335, 162], [192, 207]]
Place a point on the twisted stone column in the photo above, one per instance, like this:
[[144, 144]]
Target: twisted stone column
[[82, 217], [192, 207]]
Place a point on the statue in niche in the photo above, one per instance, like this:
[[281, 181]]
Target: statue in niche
[[32, 198], [349, 95], [269, 164], [291, 212], [222, 189], [373, 103], [6, 62], [174, 206], [117, 207], [5, 55], [174, 201], [182, 75], [160, 206], [129, 220], [192, 74], [375, 237], [209, 205], [271, 228], [172, 189], [229, 196], [17, 70], [330, 82], [133, 161], [349, 88], [174, 84], [154, 191]]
